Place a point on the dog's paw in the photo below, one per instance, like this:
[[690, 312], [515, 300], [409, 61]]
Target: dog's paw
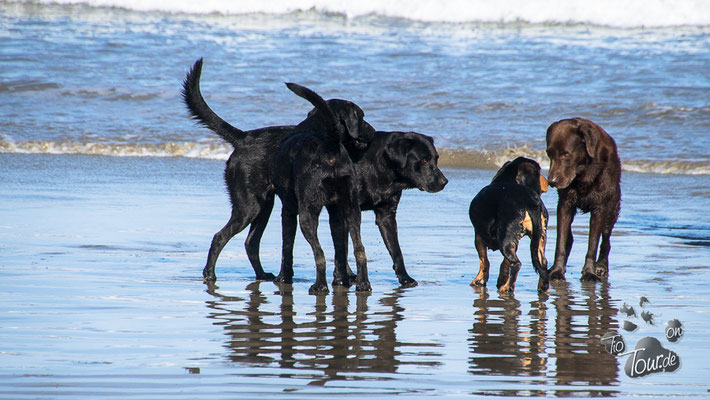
[[363, 287], [543, 285], [342, 281], [506, 288], [266, 276], [408, 282], [283, 279], [318, 289], [601, 269], [589, 276], [480, 280], [557, 274]]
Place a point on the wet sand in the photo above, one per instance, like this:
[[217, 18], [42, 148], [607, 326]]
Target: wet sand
[[101, 260]]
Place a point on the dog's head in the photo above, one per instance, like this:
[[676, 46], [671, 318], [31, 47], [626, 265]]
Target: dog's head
[[415, 160], [523, 171], [357, 133], [572, 145]]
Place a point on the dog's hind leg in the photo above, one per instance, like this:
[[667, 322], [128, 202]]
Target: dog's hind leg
[[602, 265], [342, 274], [289, 224], [309, 227], [484, 265], [387, 223], [236, 224], [509, 251], [253, 240], [538, 239]]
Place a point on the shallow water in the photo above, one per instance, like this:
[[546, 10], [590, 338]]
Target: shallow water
[[101, 264]]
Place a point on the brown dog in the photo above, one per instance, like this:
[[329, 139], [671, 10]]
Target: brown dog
[[585, 169]]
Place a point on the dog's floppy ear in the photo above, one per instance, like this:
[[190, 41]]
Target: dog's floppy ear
[[590, 135], [501, 171], [397, 151]]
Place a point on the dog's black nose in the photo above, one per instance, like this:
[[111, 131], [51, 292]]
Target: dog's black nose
[[443, 181]]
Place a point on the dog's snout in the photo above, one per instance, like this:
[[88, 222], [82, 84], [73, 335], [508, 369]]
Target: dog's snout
[[438, 184]]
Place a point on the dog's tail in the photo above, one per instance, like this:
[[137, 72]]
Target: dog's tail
[[335, 129], [201, 112]]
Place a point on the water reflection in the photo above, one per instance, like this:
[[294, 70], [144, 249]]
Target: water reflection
[[557, 344], [340, 337]]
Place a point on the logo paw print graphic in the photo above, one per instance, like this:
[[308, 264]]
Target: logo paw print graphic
[[648, 356]]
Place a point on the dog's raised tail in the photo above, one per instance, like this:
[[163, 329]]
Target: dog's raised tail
[[335, 128], [200, 111]]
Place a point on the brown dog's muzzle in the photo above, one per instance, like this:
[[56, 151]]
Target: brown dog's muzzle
[[543, 184]]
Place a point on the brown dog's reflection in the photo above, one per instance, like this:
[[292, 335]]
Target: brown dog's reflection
[[333, 340], [503, 342], [580, 357]]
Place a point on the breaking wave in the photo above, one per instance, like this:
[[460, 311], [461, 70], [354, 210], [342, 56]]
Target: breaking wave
[[449, 157], [629, 13]]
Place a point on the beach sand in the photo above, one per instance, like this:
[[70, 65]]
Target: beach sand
[[101, 261]]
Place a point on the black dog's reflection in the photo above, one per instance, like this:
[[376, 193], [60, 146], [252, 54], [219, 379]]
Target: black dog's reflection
[[572, 355], [329, 343]]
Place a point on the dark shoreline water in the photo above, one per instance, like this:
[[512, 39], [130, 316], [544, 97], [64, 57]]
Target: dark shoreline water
[[101, 262], [106, 81]]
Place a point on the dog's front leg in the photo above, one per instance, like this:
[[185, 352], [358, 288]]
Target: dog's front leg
[[596, 222], [342, 274], [288, 235], [386, 220], [565, 216]]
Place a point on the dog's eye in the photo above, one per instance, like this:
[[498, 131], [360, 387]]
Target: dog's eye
[[424, 161]]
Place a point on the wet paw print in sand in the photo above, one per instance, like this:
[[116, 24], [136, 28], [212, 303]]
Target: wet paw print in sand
[[648, 356]]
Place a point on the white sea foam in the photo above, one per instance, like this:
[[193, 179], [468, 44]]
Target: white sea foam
[[620, 13], [450, 158]]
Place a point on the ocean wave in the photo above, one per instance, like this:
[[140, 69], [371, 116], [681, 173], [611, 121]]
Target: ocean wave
[[449, 157], [624, 13]]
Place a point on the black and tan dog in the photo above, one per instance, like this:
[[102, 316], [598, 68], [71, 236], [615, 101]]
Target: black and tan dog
[[247, 173], [505, 211], [586, 170], [310, 171]]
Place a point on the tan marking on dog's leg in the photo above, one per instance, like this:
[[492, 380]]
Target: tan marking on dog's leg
[[543, 241], [482, 276], [527, 223]]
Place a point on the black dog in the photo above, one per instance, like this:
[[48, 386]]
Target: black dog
[[393, 162], [586, 170], [310, 171], [247, 175], [505, 211]]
